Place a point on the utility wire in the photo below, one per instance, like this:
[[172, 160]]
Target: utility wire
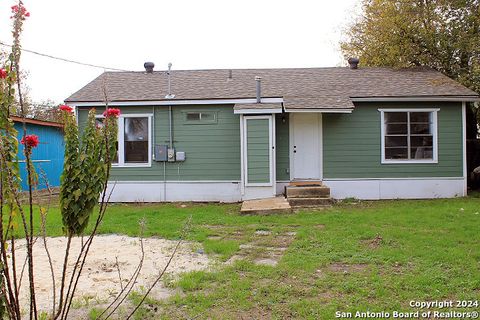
[[66, 60]]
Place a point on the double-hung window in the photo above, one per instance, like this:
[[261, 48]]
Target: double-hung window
[[134, 140], [409, 135]]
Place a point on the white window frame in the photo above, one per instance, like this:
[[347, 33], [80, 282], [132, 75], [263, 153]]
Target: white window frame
[[200, 120], [434, 112], [121, 140]]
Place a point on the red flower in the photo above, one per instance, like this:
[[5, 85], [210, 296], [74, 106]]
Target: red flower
[[23, 12], [30, 140], [112, 112], [3, 73], [66, 108]]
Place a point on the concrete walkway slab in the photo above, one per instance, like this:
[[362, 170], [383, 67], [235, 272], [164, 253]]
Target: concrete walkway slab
[[266, 206]]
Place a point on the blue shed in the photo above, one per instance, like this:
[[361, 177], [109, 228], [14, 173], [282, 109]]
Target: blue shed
[[47, 157]]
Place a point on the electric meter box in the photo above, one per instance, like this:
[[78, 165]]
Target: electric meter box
[[161, 152]]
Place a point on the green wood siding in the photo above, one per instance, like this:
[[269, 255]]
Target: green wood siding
[[258, 150], [212, 150], [352, 144], [282, 148]]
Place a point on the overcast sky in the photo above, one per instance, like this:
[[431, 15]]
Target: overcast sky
[[192, 34]]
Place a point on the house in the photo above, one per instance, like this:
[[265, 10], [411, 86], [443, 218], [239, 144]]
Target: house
[[231, 135], [47, 157]]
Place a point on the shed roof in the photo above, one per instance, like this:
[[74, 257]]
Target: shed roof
[[37, 122], [300, 87]]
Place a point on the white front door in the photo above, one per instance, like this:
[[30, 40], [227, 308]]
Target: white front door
[[305, 146]]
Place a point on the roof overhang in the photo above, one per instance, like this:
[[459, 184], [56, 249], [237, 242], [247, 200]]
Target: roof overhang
[[172, 102], [257, 108], [417, 98]]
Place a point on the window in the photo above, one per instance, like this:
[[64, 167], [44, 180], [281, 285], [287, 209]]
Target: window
[[134, 142], [409, 135], [200, 117]]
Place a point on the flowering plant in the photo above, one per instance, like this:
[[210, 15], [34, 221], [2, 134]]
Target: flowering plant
[[3, 73], [111, 112], [30, 141], [21, 10], [66, 108]]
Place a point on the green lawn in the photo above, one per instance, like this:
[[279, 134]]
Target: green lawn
[[363, 256]]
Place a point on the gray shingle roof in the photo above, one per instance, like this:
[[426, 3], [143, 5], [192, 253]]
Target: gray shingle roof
[[300, 88]]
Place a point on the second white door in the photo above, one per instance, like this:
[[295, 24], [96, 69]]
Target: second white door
[[306, 146]]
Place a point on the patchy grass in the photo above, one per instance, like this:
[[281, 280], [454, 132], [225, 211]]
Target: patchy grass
[[357, 255]]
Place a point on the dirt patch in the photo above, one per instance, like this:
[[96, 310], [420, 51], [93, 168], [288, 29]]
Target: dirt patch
[[320, 226], [347, 268], [254, 313], [396, 269], [373, 243], [100, 279], [214, 237]]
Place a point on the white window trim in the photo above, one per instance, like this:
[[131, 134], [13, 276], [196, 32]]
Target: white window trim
[[434, 112], [200, 120], [121, 141]]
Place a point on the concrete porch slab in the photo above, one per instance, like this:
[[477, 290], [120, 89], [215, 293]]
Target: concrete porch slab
[[266, 206]]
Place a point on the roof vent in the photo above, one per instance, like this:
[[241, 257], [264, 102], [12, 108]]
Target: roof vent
[[149, 66], [353, 62]]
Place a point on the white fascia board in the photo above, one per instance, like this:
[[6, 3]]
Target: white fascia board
[[257, 111], [417, 99], [290, 110], [174, 102]]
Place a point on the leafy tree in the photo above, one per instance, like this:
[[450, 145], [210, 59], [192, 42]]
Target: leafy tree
[[441, 34], [45, 110]]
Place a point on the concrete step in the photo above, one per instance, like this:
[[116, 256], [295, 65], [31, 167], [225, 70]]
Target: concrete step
[[310, 202], [266, 206], [307, 192]]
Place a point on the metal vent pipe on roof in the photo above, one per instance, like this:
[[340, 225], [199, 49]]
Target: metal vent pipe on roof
[[149, 66], [169, 71], [353, 62], [259, 89]]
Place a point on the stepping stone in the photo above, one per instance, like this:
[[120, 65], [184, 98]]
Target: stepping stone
[[266, 262], [263, 233]]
